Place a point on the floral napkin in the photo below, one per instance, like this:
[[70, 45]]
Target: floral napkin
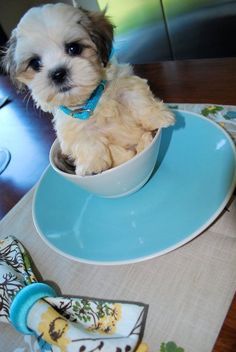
[[69, 323]]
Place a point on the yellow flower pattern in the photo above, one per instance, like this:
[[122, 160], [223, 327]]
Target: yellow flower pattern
[[54, 327], [143, 347]]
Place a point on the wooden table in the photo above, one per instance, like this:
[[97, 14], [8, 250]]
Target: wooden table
[[28, 133]]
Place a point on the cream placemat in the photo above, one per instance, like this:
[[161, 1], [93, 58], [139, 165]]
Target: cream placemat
[[189, 290]]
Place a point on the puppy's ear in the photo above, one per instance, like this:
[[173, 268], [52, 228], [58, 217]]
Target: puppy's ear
[[8, 59], [101, 32]]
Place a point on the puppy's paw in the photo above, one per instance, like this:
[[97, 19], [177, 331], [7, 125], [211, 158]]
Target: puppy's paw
[[92, 167], [120, 155], [166, 118], [144, 141], [93, 163], [158, 116]]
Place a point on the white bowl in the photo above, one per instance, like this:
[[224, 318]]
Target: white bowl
[[121, 180]]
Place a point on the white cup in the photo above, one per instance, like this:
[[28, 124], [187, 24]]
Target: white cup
[[119, 181]]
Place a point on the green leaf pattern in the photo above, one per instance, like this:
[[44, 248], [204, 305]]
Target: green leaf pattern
[[170, 347], [95, 315], [13, 276], [213, 109]]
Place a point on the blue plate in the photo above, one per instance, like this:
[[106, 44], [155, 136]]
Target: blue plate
[[191, 184], [5, 158]]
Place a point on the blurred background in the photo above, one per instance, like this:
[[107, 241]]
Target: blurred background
[[153, 30]]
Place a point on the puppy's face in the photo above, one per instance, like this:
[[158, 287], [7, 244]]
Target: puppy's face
[[59, 52]]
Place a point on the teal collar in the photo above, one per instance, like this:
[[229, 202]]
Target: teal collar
[[84, 112]]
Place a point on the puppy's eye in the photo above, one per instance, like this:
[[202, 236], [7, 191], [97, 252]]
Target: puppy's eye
[[74, 49], [35, 64]]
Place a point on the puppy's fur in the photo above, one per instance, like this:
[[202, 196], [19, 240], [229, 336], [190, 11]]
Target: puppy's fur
[[61, 38]]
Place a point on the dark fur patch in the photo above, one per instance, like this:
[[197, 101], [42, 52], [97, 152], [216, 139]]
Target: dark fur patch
[[101, 31], [64, 163], [8, 61]]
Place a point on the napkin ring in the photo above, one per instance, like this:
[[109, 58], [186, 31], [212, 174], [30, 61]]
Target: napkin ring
[[23, 302]]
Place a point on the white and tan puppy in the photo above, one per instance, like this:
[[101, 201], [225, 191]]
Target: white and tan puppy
[[61, 53]]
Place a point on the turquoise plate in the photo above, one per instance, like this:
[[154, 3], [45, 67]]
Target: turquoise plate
[[190, 186]]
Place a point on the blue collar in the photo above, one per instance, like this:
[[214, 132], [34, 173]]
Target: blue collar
[[85, 111]]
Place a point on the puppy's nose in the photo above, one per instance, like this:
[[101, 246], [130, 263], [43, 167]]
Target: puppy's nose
[[59, 75]]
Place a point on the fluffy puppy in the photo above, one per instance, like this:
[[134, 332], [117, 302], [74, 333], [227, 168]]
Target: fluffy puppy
[[61, 53]]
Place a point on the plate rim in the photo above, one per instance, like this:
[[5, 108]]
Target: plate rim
[[179, 244], [7, 159]]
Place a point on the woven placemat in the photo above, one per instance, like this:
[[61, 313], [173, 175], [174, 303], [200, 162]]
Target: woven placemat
[[188, 290]]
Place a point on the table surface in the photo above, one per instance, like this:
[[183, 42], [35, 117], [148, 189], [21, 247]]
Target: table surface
[[28, 133]]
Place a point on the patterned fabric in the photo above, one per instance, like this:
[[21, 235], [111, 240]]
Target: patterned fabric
[[69, 323], [224, 115], [15, 273]]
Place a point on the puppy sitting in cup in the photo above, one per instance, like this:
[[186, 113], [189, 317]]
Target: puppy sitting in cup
[[103, 114]]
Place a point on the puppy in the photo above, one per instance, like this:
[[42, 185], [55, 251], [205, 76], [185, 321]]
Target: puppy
[[62, 54]]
